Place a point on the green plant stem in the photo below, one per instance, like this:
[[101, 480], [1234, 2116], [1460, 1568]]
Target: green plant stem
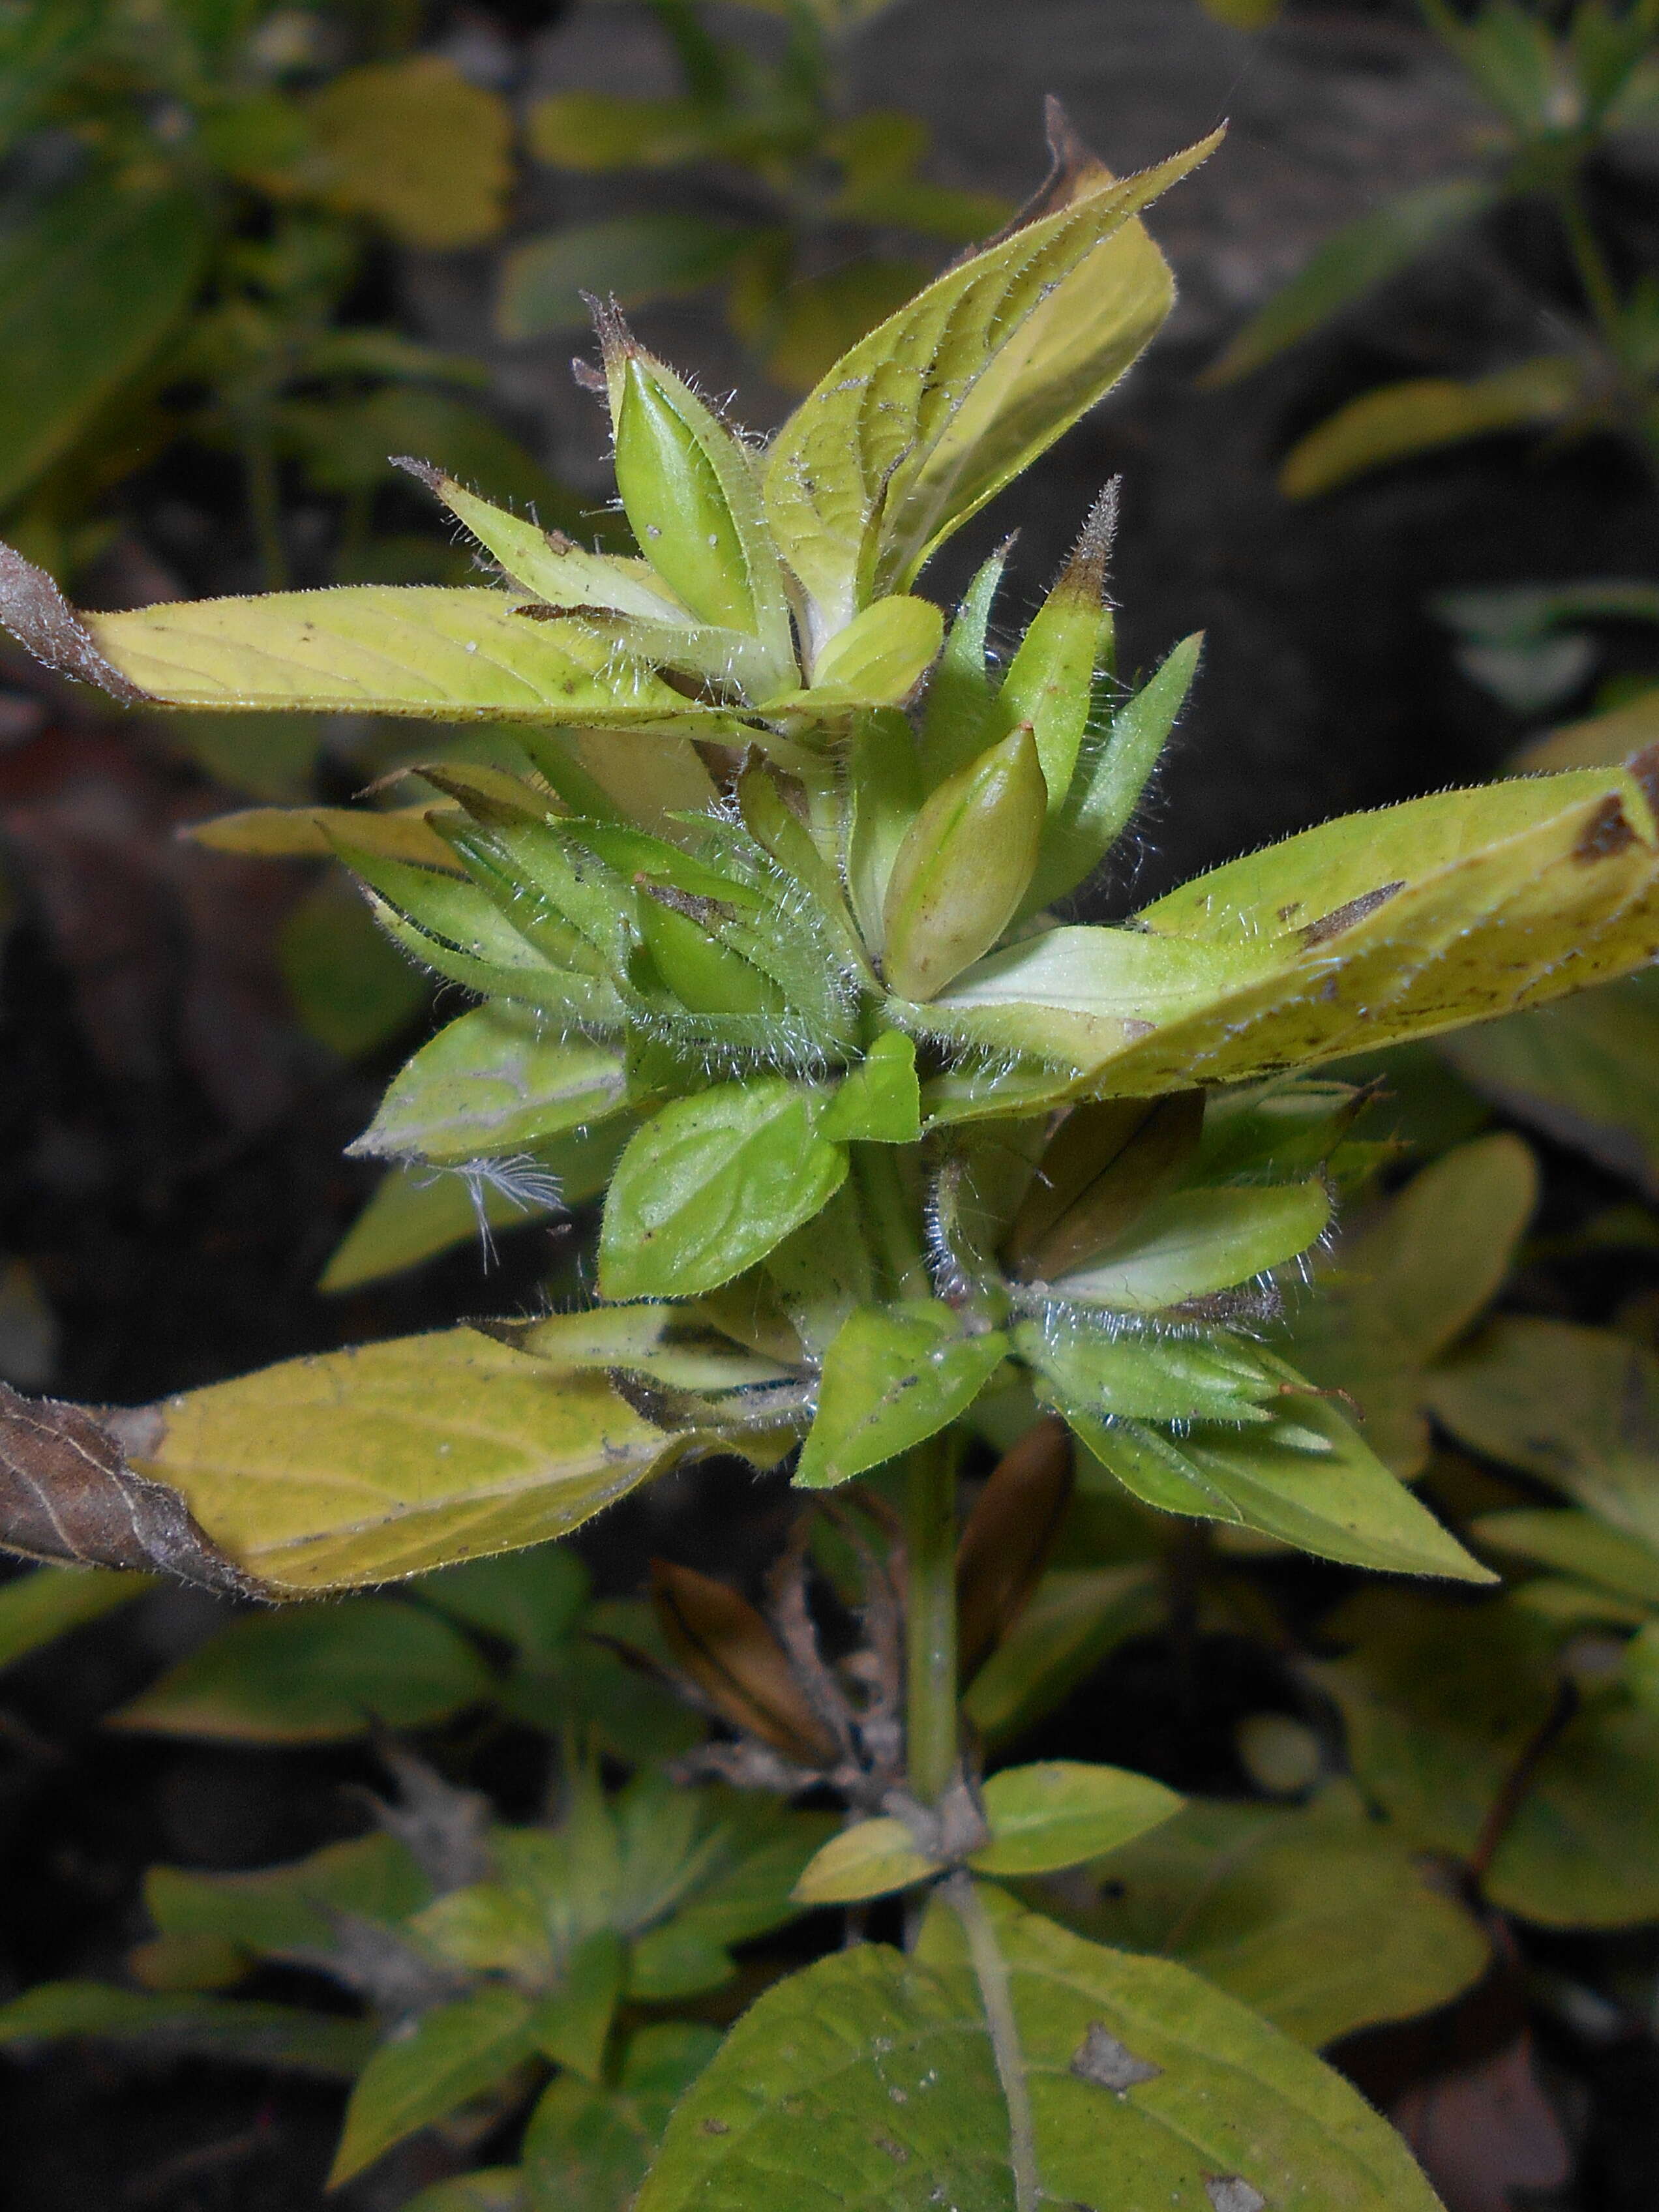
[[930, 1620], [991, 1972], [889, 1219]]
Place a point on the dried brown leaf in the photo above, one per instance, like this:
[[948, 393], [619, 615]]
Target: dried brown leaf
[[67, 1492], [730, 1652]]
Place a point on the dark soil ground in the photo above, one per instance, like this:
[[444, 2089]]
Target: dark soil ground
[[170, 1142]]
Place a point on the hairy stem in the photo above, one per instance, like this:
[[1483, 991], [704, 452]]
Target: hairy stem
[[991, 1972], [890, 1211], [930, 1619]]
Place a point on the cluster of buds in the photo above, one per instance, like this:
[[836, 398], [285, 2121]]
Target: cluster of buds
[[760, 895]]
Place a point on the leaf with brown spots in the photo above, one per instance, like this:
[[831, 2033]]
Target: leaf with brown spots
[[874, 2078], [1425, 917]]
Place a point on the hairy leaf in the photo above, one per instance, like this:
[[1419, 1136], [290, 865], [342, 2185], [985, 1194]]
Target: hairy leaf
[[711, 1185], [930, 415], [491, 1083], [1306, 1477], [446, 655], [893, 1377], [1369, 930], [1127, 2065]]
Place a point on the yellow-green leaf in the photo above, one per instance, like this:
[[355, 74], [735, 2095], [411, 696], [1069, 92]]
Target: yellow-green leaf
[[492, 1083], [311, 832], [1372, 929], [446, 655], [869, 1859], [413, 144], [1062, 1811], [1428, 412], [361, 1466], [932, 414]]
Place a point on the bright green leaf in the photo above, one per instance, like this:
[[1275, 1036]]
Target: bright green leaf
[[711, 1185], [1057, 1813], [893, 1377], [879, 1102], [1192, 1243]]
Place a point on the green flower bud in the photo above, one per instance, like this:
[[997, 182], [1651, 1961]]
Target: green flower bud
[[706, 977], [1050, 680], [690, 491], [964, 866], [1103, 1167]]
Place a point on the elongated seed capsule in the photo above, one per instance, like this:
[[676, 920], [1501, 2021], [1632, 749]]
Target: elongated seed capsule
[[1102, 1168], [1050, 680], [706, 977], [964, 866]]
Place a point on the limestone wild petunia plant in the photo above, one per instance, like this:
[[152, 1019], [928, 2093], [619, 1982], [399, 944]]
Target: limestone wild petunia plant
[[762, 918]]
